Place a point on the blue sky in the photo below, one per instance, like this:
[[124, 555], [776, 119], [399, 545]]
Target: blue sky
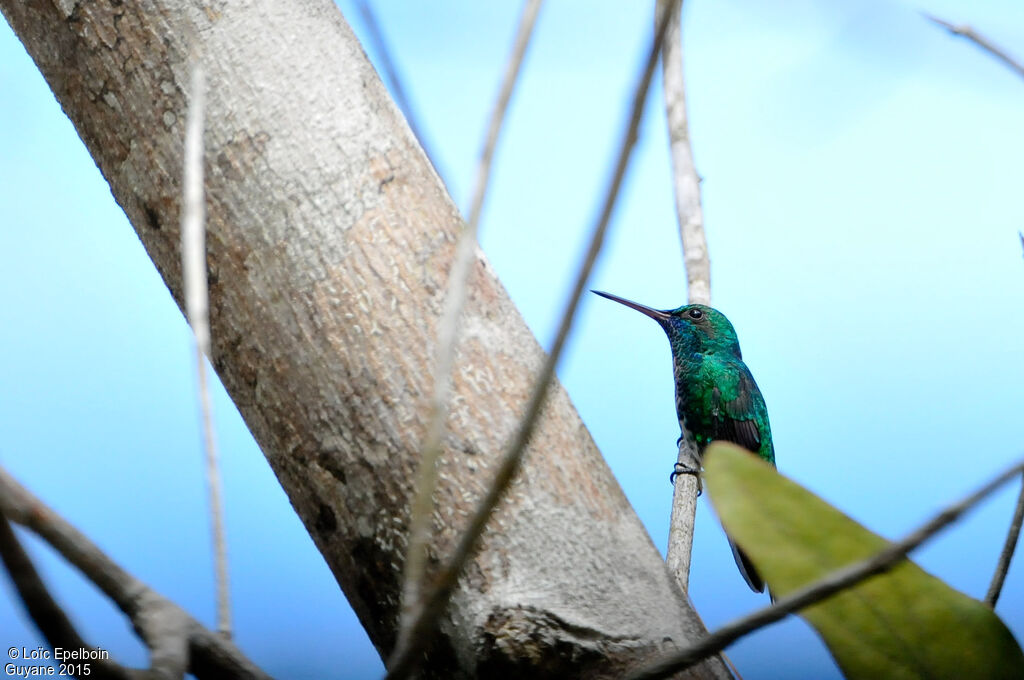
[[862, 184]]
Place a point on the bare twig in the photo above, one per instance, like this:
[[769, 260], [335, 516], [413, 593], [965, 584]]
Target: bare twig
[[458, 282], [483, 169], [383, 51], [686, 179], [684, 512], [838, 580], [1009, 546], [177, 642], [965, 31], [193, 263], [686, 183], [424, 618], [44, 611]]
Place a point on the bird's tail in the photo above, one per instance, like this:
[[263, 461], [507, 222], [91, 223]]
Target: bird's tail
[[747, 569]]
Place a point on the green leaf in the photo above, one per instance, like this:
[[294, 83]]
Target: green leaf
[[901, 624]]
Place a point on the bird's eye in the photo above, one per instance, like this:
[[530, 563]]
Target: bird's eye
[[696, 314]]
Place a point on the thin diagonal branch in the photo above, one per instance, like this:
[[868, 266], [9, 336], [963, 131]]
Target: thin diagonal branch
[[483, 169], [177, 642], [44, 611], [425, 617], [383, 51], [458, 282], [686, 184], [965, 31], [48, 616], [197, 306], [836, 581], [1009, 546]]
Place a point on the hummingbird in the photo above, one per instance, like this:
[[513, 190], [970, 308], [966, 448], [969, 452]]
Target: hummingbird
[[716, 396]]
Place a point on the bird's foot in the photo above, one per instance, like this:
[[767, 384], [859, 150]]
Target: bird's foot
[[682, 469]]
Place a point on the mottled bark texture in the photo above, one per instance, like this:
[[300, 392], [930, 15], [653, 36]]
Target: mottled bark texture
[[330, 238]]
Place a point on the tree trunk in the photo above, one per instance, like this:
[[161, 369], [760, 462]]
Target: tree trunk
[[330, 238]]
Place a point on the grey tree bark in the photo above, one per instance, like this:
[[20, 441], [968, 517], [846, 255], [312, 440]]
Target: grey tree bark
[[330, 238]]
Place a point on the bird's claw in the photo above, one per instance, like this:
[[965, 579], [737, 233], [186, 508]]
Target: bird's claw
[[681, 469]]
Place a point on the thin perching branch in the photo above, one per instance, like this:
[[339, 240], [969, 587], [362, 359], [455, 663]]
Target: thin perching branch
[[965, 31], [429, 609], [686, 184], [834, 582], [193, 264], [686, 181], [383, 51], [1009, 546], [458, 282], [177, 642], [686, 489]]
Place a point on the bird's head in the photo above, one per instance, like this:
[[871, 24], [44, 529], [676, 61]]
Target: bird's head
[[690, 328]]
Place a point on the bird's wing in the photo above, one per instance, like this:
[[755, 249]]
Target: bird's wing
[[735, 415], [737, 406]]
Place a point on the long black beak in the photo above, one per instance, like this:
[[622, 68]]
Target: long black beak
[[655, 314]]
